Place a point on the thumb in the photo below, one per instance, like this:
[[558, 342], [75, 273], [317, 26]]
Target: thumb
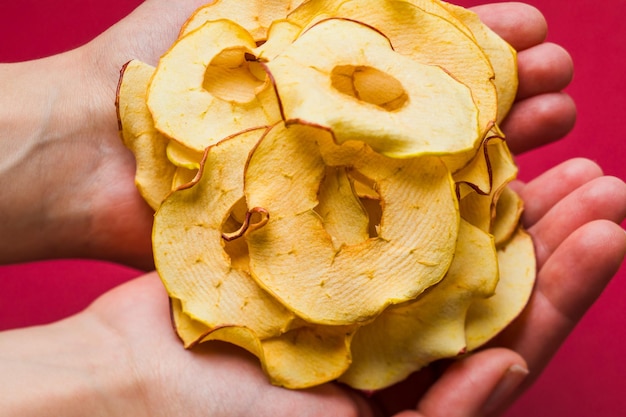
[[480, 384]]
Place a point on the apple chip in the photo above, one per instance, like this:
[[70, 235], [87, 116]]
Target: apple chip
[[190, 254], [501, 55], [407, 337], [340, 48], [479, 208], [154, 171], [203, 90], [486, 318], [425, 37], [410, 253]]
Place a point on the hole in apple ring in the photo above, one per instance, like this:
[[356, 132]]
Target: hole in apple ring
[[370, 85], [234, 75]]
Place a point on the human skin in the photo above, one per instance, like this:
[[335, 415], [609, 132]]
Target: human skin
[[69, 192]]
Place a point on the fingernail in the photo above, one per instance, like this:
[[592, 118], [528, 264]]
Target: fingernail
[[511, 379]]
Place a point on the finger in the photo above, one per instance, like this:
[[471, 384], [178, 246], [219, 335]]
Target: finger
[[603, 198], [521, 25], [545, 191], [545, 68], [595, 252], [539, 120], [567, 285], [474, 386]]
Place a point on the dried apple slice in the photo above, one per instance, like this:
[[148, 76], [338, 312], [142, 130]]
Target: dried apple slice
[[477, 174], [501, 55], [413, 126], [256, 16], [412, 251], [203, 89], [183, 177], [478, 208], [154, 172], [422, 35], [189, 331], [516, 262], [407, 337], [280, 34], [189, 250], [301, 358], [308, 356]]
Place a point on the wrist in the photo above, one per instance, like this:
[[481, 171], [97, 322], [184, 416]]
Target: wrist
[[63, 159], [38, 121]]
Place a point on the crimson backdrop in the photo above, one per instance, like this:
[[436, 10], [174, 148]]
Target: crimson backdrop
[[585, 378]]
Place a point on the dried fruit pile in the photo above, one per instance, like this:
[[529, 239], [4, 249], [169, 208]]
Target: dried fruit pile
[[330, 184]]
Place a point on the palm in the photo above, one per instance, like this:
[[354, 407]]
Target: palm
[[215, 379]]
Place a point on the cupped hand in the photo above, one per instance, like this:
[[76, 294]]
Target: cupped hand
[[573, 213], [213, 379]]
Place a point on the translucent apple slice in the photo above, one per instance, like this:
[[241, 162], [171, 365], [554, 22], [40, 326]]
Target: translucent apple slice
[[190, 253], [413, 126], [204, 89], [407, 337], [293, 256], [516, 262], [154, 172]]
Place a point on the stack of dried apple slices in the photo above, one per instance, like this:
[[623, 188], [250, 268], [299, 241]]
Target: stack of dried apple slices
[[331, 185]]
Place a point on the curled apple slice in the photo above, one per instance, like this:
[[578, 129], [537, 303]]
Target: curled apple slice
[[190, 254], [479, 208], [154, 173], [412, 251], [204, 90], [360, 56], [478, 174], [407, 337]]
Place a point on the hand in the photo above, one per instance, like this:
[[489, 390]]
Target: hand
[[68, 180], [573, 213], [120, 357]]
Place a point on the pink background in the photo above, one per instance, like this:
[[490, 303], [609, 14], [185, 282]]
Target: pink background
[[585, 378]]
